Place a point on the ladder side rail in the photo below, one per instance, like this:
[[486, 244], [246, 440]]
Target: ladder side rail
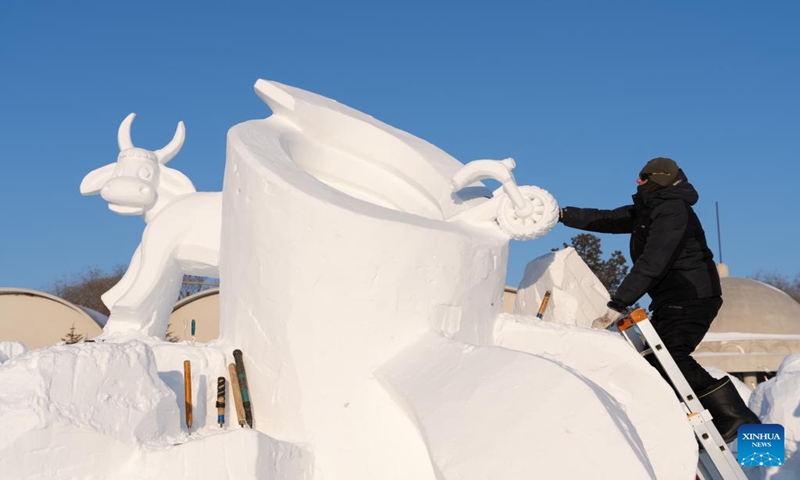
[[706, 471], [716, 452], [666, 361], [716, 462]]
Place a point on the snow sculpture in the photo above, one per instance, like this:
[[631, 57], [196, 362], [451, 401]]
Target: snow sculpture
[[364, 273], [522, 213], [181, 237]]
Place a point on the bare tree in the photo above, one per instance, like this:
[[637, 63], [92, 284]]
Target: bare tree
[[789, 285], [85, 288], [193, 284]]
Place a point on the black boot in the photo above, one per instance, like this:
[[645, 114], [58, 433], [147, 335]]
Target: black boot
[[728, 409]]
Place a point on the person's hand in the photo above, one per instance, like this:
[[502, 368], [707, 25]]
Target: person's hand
[[616, 309], [607, 319], [617, 305]]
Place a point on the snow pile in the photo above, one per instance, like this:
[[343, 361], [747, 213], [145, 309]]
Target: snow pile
[[9, 349], [79, 399], [103, 410], [651, 413], [515, 414], [577, 296], [778, 401], [113, 390]]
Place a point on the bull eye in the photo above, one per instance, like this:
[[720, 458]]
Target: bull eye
[[118, 171], [145, 173]]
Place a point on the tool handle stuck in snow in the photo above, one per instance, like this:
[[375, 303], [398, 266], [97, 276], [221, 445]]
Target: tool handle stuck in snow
[[241, 376], [543, 306], [221, 401], [237, 395], [187, 391]]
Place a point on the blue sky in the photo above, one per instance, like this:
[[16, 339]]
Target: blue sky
[[581, 94]]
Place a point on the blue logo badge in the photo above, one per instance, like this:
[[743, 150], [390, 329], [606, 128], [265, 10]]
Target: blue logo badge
[[761, 445]]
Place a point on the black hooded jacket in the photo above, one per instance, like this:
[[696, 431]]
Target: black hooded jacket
[[671, 259]]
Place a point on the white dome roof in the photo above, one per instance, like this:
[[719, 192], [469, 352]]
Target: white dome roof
[[750, 306]]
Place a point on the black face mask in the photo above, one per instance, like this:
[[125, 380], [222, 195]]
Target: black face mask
[[648, 187]]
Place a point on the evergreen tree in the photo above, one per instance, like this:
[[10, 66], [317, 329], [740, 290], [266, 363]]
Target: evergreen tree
[[72, 337], [171, 336], [610, 272]]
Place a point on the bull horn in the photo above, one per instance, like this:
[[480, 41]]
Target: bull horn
[[124, 133], [166, 154]]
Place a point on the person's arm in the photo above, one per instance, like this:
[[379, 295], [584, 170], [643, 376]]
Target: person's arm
[[664, 242], [619, 220]]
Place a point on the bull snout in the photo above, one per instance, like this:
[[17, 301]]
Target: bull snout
[[129, 192]]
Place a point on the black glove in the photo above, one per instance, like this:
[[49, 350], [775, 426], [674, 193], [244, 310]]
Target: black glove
[[615, 304]]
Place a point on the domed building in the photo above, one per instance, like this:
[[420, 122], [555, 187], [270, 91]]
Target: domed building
[[38, 319], [203, 307], [757, 326]]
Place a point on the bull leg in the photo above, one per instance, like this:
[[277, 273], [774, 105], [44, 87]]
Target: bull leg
[[114, 293], [145, 306]]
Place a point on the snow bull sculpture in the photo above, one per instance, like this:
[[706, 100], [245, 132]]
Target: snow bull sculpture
[[181, 237]]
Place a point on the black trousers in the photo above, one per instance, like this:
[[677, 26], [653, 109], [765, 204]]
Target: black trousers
[[681, 326]]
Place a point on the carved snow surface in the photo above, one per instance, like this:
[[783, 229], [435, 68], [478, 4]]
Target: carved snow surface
[[523, 213], [111, 410], [110, 391]]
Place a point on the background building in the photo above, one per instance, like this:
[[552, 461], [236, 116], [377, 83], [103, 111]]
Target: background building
[[757, 326], [203, 307], [38, 319]]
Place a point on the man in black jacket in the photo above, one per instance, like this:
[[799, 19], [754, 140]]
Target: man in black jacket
[[673, 264]]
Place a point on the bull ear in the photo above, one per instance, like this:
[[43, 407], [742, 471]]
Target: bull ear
[[94, 180], [174, 182]]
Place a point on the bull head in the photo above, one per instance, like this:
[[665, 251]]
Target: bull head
[[130, 185]]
